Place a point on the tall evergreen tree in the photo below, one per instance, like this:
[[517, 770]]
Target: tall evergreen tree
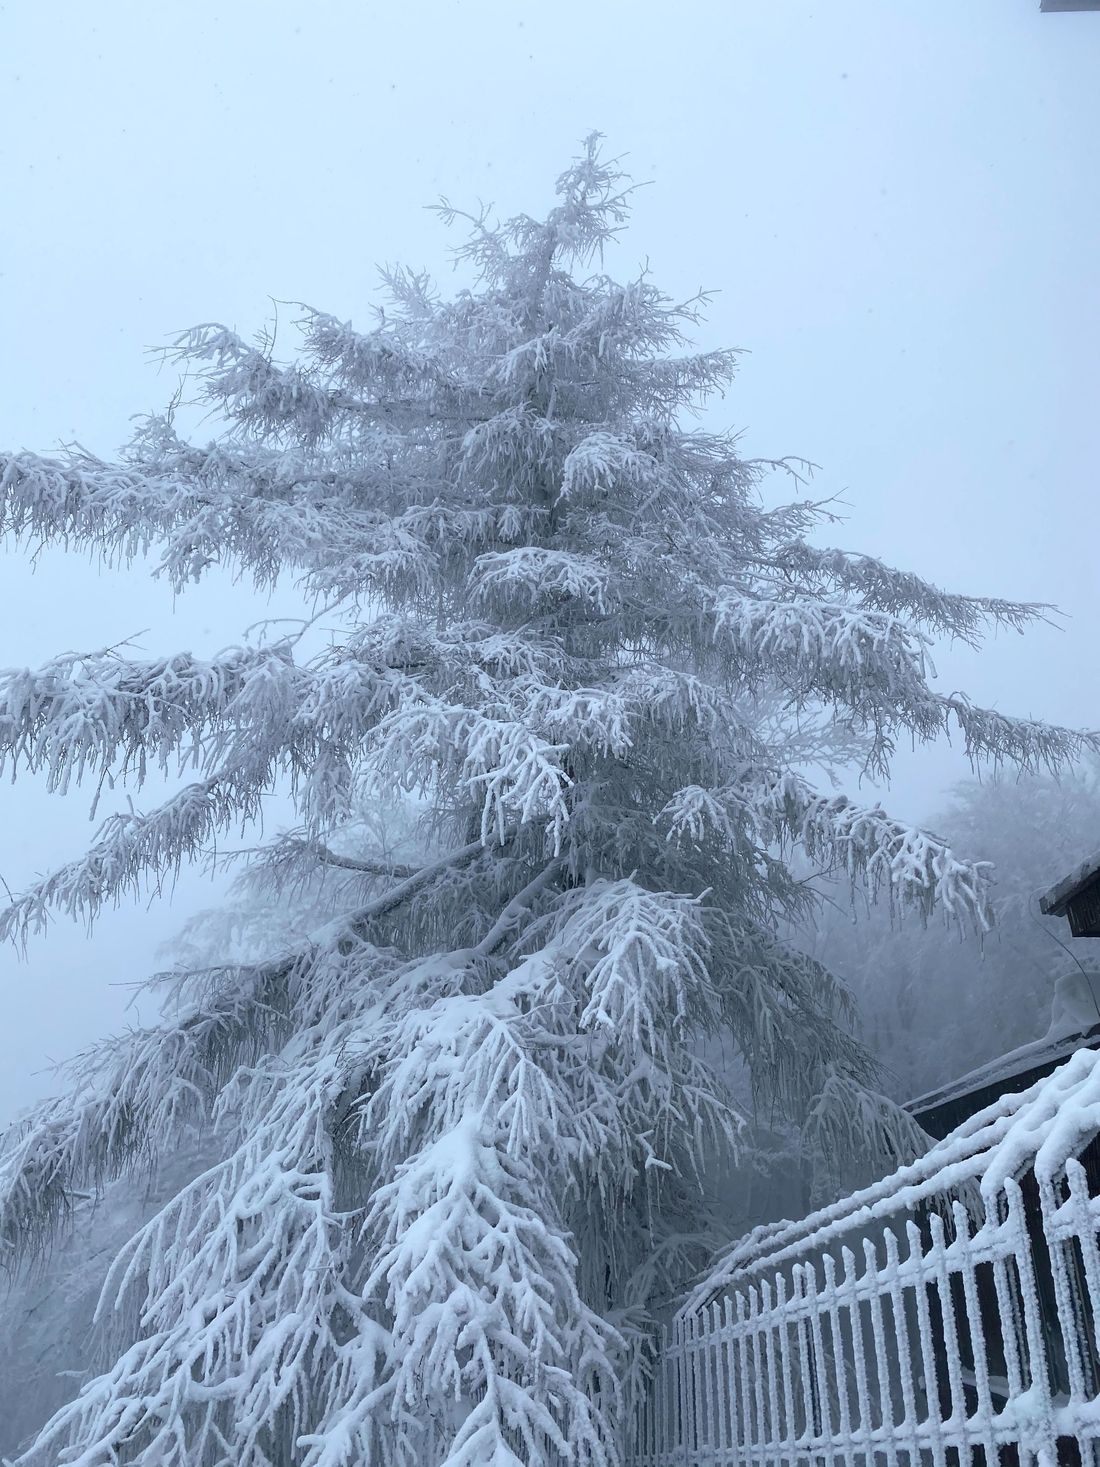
[[465, 1127]]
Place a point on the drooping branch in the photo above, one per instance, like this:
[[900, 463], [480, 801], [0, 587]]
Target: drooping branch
[[132, 848], [883, 588], [915, 868]]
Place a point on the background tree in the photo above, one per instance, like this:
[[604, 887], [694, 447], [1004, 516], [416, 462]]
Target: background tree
[[998, 992], [465, 1127]]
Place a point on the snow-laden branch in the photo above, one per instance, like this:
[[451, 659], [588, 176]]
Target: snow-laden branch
[[1025, 743], [131, 1097], [872, 664], [80, 713], [258, 711], [533, 579], [132, 849], [515, 1337], [512, 773], [602, 461], [644, 960], [360, 920], [265, 1304], [833, 651], [914, 868], [846, 1122], [242, 507], [259, 395], [882, 588], [299, 852], [375, 361]]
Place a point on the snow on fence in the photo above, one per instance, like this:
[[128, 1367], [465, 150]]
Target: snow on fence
[[947, 1315]]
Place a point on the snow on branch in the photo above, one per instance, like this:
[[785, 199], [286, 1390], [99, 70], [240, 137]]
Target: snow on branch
[[1024, 742], [627, 319], [603, 461], [517, 443], [515, 776], [865, 660], [81, 500], [873, 664], [246, 507], [241, 505], [456, 1225], [80, 712], [298, 852], [664, 386], [132, 847], [848, 1122], [130, 1097], [914, 868], [382, 361], [578, 718], [244, 1346], [534, 579], [901, 593], [641, 957], [257, 395]]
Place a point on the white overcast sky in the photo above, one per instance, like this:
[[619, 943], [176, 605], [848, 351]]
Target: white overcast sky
[[898, 203]]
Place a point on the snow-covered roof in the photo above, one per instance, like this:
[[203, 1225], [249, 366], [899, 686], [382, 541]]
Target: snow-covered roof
[[1074, 1022], [1037, 1129], [1054, 902], [1007, 1067]]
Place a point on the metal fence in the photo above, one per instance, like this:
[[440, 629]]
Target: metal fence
[[948, 1315]]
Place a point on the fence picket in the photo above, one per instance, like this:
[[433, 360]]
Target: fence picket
[[859, 1359], [976, 1332], [938, 1255], [1037, 1430], [887, 1420], [787, 1406]]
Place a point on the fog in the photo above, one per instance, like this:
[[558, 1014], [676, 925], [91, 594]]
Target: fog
[[894, 204]]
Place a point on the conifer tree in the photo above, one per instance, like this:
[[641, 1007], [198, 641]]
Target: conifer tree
[[465, 1129]]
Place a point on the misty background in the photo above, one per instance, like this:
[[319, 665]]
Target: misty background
[[889, 202]]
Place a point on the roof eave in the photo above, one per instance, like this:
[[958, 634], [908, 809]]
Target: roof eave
[[1053, 903]]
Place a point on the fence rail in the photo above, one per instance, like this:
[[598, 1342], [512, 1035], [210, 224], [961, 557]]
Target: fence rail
[[948, 1316]]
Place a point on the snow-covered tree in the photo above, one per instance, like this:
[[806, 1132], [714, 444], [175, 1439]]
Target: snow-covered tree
[[465, 1129]]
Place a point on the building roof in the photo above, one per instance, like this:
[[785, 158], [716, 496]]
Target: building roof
[[940, 1111], [1054, 902]]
